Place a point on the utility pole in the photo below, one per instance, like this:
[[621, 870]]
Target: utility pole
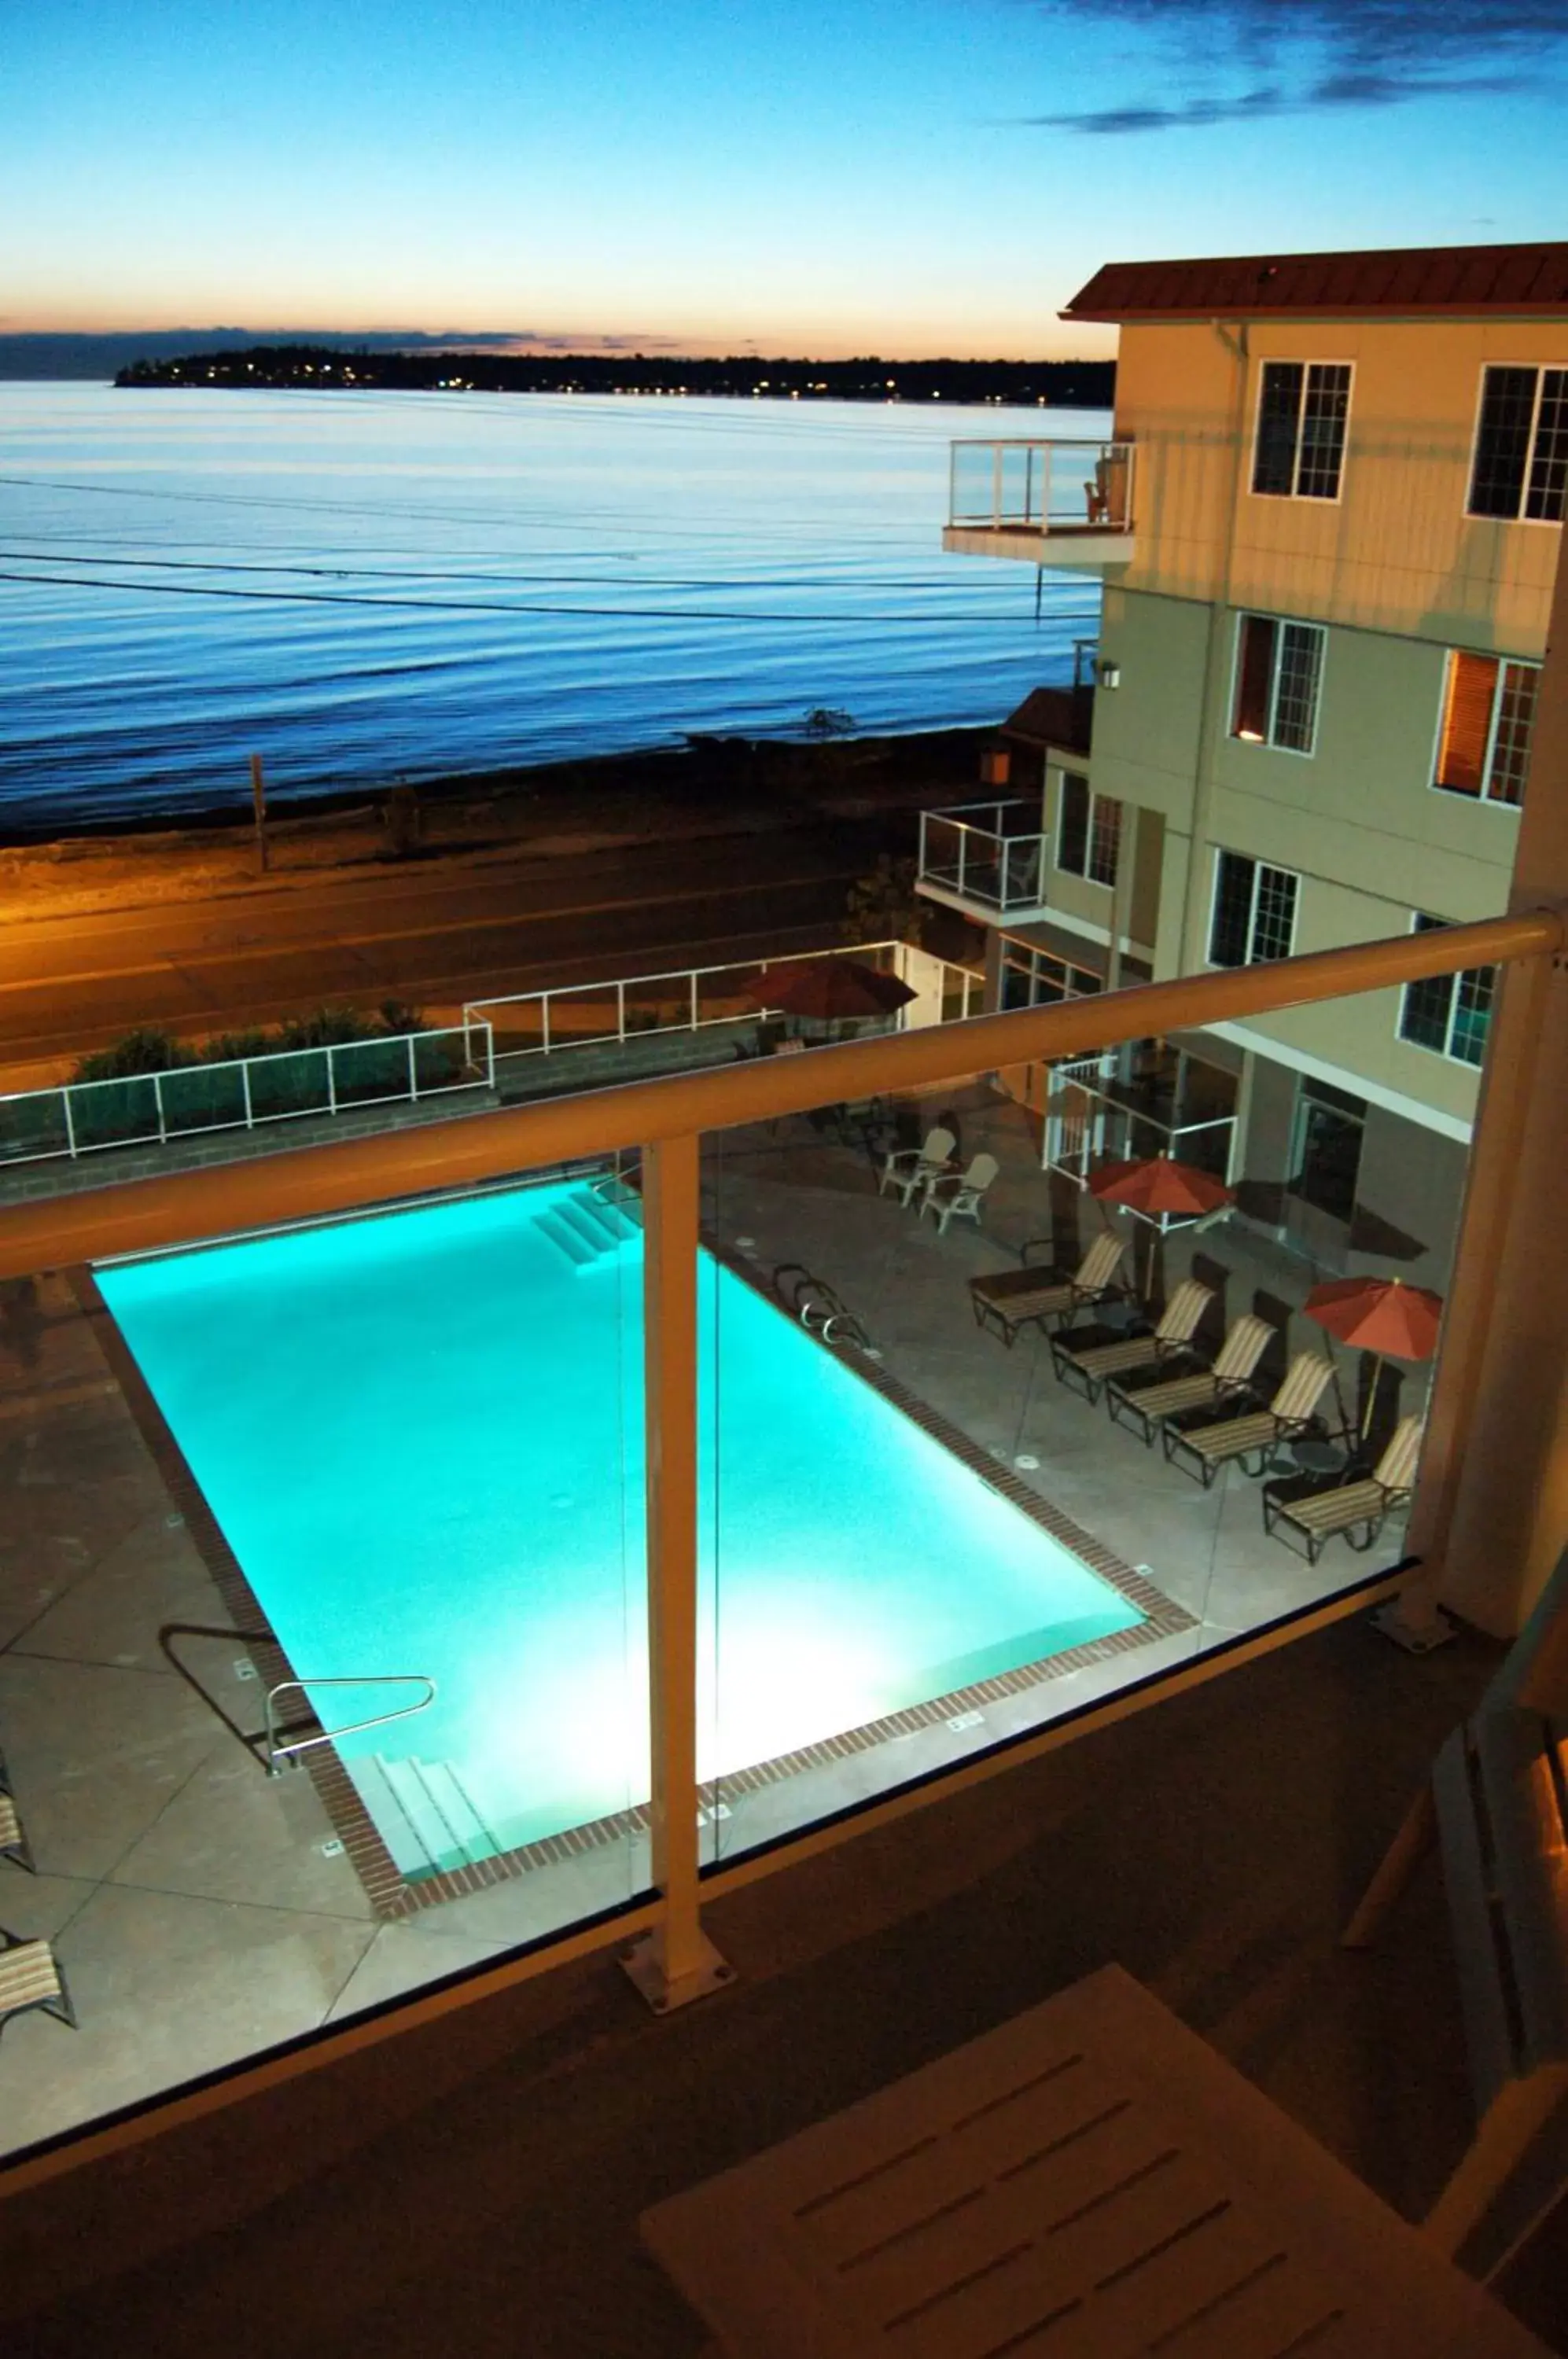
[[258, 797]]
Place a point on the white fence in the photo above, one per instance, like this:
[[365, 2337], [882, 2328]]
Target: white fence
[[1086, 1126], [242, 1092], [635, 1007]]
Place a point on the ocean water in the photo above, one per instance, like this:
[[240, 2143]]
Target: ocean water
[[363, 587], [421, 1434]]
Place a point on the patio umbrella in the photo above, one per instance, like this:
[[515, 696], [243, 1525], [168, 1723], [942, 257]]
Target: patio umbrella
[[1157, 1184], [1380, 1315], [831, 989]]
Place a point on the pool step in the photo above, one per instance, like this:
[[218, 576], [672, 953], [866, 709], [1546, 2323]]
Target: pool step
[[587, 1228], [436, 1812]]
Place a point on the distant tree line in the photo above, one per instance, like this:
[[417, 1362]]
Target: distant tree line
[[1069, 384]]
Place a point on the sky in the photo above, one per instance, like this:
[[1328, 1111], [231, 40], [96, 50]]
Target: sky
[[903, 177]]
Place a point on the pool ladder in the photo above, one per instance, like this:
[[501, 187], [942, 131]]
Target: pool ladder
[[279, 1754], [818, 1308]]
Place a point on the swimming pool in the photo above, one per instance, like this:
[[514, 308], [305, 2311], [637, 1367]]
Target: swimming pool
[[421, 1435]]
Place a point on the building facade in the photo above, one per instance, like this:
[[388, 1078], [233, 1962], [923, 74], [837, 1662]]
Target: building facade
[[1328, 525]]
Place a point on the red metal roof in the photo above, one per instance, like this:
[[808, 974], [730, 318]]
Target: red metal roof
[[1457, 281]]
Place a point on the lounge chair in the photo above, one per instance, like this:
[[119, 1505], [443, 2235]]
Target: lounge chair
[[1149, 1403], [1088, 1366], [958, 1192], [1018, 1298], [1352, 1500], [910, 1167], [1291, 1411], [13, 1842], [29, 1977]]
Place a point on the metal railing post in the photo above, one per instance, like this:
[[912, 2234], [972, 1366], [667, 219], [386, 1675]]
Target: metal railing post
[[675, 1962], [244, 1092], [332, 1085], [621, 1014], [413, 1071], [70, 1125], [544, 1021], [489, 1054], [962, 833], [157, 1101], [693, 1025]]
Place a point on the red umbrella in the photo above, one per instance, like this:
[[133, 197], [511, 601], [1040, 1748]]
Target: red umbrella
[[1159, 1184], [1156, 1183], [828, 988], [1380, 1315]]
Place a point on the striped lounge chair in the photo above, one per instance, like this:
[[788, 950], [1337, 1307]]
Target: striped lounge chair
[[13, 1842], [1148, 1401], [30, 1977], [1351, 1500], [1202, 1449], [1088, 1366], [1011, 1298]]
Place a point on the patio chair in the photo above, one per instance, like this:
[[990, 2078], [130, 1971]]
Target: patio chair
[[14, 1844], [958, 1192], [1351, 1500], [1018, 1298], [1292, 1410], [29, 1977], [909, 1168], [1150, 1401], [1089, 1365]]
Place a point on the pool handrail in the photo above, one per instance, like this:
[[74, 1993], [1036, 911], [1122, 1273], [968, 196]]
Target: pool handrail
[[277, 1755]]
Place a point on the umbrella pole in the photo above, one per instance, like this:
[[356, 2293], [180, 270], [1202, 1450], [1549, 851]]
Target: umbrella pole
[[1371, 1394]]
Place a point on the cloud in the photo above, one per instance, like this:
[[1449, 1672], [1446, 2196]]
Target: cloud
[[1296, 57]]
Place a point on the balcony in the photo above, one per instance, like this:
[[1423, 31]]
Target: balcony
[[986, 859], [1061, 503]]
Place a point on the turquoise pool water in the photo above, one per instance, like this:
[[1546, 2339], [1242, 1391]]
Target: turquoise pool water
[[421, 1435]]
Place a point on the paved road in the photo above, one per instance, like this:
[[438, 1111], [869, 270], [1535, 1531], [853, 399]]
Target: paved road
[[430, 934]]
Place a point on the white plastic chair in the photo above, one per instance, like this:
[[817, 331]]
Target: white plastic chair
[[956, 1193], [909, 1168]]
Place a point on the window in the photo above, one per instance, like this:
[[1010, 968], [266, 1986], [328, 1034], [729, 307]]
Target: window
[[1277, 669], [1254, 915], [1088, 830], [1031, 977], [1448, 1013], [1521, 445], [1488, 707], [1304, 407], [1326, 1148]]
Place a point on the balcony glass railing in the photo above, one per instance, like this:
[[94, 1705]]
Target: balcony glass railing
[[1042, 486], [990, 854], [700, 1449]]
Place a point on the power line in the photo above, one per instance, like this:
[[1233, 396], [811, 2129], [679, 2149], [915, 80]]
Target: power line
[[504, 606]]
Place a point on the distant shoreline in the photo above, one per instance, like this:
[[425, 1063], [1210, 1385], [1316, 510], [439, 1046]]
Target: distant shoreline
[[317, 368]]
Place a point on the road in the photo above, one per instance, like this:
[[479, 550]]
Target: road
[[429, 934]]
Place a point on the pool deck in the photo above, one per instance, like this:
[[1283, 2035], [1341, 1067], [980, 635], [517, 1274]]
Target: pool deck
[[202, 1910]]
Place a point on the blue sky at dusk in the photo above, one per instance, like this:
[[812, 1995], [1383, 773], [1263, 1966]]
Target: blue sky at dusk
[[898, 176]]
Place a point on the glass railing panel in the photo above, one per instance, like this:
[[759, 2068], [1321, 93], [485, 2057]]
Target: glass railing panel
[[33, 1124], [974, 482], [402, 1453], [202, 1097], [940, 1519], [297, 1082], [579, 1018]]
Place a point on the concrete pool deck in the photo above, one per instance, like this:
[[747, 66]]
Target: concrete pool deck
[[202, 1910]]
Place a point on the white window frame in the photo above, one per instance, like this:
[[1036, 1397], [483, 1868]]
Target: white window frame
[[1486, 800], [1312, 499], [1537, 524], [1423, 1047], [1225, 851], [1106, 883], [1267, 743]]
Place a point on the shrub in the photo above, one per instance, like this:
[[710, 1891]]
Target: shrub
[[146, 1051]]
